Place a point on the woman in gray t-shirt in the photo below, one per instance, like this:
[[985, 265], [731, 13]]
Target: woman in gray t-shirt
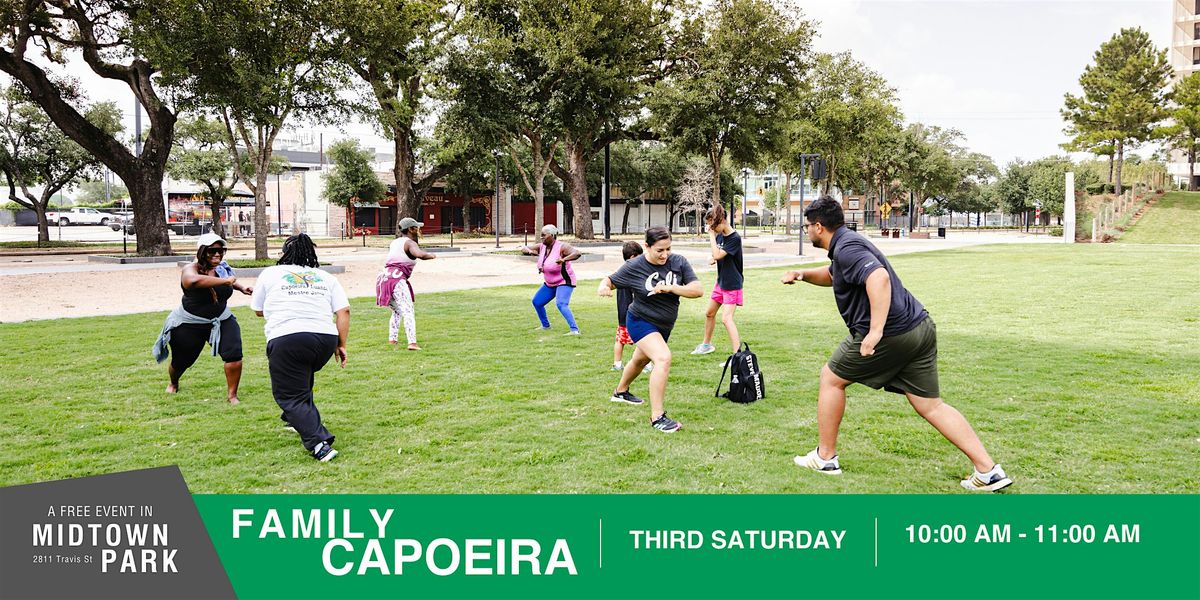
[[657, 279]]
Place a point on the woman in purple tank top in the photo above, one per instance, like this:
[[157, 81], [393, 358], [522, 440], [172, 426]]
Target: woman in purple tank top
[[554, 263]]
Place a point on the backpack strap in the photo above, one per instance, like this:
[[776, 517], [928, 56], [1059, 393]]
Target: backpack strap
[[717, 394]]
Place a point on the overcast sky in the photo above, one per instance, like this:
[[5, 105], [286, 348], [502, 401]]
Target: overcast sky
[[994, 69]]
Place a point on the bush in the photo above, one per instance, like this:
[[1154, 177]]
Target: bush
[[1100, 188], [1056, 231]]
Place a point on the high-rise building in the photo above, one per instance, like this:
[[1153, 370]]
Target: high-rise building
[[1185, 58]]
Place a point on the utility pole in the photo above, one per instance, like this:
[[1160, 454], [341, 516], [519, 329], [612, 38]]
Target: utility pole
[[803, 177], [605, 199]]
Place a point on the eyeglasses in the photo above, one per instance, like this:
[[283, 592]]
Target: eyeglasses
[[214, 251]]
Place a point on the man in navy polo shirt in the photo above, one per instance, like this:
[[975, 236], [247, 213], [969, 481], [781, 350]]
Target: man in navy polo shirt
[[892, 345]]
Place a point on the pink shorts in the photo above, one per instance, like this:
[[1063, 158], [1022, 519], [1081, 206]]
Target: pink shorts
[[726, 296]]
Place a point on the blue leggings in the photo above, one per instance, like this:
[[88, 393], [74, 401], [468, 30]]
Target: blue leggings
[[562, 296]]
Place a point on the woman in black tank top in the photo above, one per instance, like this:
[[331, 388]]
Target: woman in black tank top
[[206, 295]]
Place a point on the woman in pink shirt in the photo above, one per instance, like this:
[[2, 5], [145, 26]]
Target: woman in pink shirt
[[554, 263]]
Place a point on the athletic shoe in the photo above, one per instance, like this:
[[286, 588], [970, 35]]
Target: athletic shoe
[[287, 427], [540, 328], [814, 461], [704, 349], [618, 367], [324, 452], [573, 332], [995, 481], [666, 424], [649, 368], [626, 397]]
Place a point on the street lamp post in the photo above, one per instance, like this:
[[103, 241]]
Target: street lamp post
[[745, 197], [803, 176], [605, 199], [496, 198]]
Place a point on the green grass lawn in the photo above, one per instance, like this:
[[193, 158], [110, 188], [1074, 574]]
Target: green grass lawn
[[1076, 365], [1175, 219]]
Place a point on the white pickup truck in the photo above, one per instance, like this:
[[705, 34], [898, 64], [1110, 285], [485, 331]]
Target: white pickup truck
[[80, 216]]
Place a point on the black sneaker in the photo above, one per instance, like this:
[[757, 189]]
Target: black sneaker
[[324, 452], [626, 397], [666, 424]]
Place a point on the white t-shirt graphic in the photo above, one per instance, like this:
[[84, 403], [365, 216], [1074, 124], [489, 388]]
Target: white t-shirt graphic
[[297, 299]]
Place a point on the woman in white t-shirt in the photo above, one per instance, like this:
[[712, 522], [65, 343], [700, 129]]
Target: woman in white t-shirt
[[297, 298]]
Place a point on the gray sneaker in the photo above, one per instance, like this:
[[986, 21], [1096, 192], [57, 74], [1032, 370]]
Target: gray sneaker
[[573, 332], [666, 424], [627, 398], [704, 349]]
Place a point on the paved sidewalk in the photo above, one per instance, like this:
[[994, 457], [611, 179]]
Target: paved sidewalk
[[68, 286]]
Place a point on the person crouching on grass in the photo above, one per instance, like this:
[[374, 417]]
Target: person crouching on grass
[[892, 345], [657, 280], [726, 296], [297, 299]]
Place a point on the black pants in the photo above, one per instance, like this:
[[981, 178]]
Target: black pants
[[292, 360], [188, 340]]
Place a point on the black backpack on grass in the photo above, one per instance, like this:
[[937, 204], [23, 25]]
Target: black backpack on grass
[[746, 380]]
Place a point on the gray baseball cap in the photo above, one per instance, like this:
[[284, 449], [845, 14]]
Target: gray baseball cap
[[409, 222]]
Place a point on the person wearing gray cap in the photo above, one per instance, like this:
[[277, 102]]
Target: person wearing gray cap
[[392, 287], [203, 316], [554, 263]]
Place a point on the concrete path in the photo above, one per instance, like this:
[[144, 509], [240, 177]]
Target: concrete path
[[51, 287]]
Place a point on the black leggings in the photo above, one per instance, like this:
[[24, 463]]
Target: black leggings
[[189, 339], [293, 360]]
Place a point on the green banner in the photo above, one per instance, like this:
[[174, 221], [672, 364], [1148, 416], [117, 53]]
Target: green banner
[[277, 546]]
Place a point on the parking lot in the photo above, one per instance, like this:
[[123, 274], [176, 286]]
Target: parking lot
[[72, 233]]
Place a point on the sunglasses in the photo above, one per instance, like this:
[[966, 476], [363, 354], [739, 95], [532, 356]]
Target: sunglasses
[[214, 251]]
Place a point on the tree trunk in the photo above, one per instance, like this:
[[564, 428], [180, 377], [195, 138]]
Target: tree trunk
[[43, 224], [714, 159], [262, 222], [1110, 169], [407, 203], [1192, 168], [149, 221], [217, 202], [575, 177], [625, 218], [1120, 163]]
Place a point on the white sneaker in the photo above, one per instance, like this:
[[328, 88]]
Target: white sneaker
[[649, 368], [993, 481], [618, 366], [540, 328], [573, 332], [704, 349], [813, 461]]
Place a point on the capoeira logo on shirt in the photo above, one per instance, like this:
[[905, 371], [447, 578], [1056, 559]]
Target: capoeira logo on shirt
[[652, 280], [304, 278]]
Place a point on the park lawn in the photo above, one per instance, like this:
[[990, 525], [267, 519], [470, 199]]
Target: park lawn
[[1076, 365], [1175, 219]]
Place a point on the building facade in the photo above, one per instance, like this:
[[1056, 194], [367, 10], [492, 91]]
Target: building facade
[[1185, 59]]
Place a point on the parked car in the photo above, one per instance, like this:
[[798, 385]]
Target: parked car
[[120, 221], [80, 216]]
